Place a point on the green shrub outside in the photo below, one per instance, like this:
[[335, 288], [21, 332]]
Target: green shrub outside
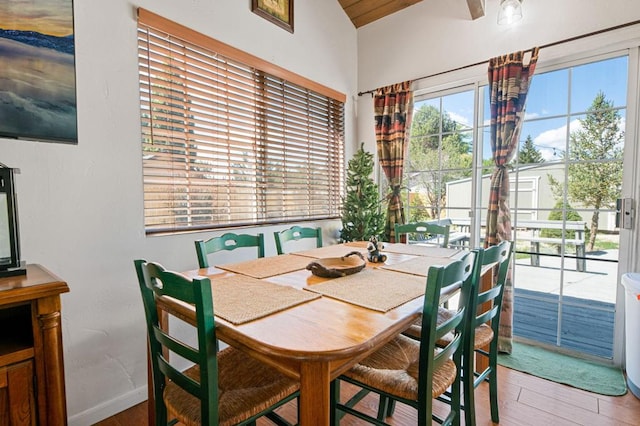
[[557, 214]]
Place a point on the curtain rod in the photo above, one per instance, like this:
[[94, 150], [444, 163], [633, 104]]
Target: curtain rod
[[555, 43]]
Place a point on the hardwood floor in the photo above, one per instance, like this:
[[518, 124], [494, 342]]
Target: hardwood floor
[[524, 400]]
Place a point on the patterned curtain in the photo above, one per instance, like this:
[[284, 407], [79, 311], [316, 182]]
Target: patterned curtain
[[509, 81], [392, 108]]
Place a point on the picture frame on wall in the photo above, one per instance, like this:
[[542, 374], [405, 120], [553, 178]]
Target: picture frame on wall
[[280, 12], [38, 79]]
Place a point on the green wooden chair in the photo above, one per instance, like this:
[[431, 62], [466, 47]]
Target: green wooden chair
[[481, 335], [424, 232], [223, 387], [296, 233], [482, 332], [415, 372], [228, 241]]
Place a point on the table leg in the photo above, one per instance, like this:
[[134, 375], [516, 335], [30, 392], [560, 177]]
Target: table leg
[[535, 258], [315, 403], [581, 263]]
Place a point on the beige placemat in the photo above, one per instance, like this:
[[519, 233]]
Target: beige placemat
[[375, 289], [418, 250], [267, 266], [360, 244], [337, 250], [239, 299], [418, 265]]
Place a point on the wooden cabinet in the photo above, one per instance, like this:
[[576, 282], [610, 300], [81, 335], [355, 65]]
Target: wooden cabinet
[[31, 364]]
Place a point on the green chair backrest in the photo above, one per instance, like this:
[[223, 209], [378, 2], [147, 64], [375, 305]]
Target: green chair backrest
[[428, 232], [500, 255], [155, 282], [463, 273], [296, 233], [228, 241]]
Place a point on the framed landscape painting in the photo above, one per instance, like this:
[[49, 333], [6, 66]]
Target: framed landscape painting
[[280, 12], [37, 71]]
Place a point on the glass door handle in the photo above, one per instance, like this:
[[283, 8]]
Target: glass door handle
[[624, 213]]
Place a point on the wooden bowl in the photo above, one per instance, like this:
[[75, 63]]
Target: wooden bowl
[[334, 267]]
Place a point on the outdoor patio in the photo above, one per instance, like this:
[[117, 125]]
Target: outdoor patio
[[588, 302]]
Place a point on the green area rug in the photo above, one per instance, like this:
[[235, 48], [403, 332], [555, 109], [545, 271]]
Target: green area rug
[[565, 369]]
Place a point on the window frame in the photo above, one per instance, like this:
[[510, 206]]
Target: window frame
[[293, 134]]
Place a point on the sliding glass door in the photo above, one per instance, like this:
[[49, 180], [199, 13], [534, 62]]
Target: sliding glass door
[[567, 178], [564, 182]]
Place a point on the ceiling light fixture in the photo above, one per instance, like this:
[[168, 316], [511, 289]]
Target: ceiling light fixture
[[510, 12]]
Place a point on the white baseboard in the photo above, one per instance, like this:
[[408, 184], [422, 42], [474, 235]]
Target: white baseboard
[[109, 408]]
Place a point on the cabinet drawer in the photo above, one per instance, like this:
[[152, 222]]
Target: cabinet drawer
[[17, 399]]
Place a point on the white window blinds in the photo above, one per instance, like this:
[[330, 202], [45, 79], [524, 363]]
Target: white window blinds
[[225, 143]]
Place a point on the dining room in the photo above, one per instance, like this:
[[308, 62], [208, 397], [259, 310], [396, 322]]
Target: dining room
[[86, 207], [326, 305]]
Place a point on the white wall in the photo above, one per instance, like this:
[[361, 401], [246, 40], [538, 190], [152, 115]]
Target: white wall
[[81, 206]]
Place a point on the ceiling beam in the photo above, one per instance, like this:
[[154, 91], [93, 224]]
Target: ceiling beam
[[362, 12], [476, 8]]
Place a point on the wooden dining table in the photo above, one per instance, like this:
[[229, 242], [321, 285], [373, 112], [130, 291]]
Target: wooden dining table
[[316, 341]]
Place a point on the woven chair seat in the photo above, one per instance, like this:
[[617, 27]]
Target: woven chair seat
[[394, 370], [246, 388], [414, 329], [483, 334]]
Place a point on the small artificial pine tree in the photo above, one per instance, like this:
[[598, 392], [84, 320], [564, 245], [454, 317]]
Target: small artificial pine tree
[[361, 215]]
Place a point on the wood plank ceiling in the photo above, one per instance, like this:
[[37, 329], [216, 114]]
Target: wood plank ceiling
[[363, 12]]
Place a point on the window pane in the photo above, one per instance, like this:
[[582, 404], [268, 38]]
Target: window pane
[[548, 140], [608, 77], [459, 108], [485, 139], [596, 136], [425, 125], [548, 95], [485, 114]]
